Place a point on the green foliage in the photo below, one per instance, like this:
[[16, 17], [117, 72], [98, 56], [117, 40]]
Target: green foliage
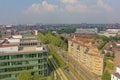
[[24, 76], [109, 64], [42, 38], [106, 39], [114, 45], [106, 76], [0, 35], [58, 59], [36, 76], [66, 30], [114, 38], [101, 45], [53, 39]]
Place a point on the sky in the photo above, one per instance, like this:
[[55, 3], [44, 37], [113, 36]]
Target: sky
[[59, 11]]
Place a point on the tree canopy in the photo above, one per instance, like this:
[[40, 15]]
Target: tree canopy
[[50, 38], [106, 76], [66, 30], [25, 75], [0, 35]]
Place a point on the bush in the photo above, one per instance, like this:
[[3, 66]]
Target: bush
[[109, 65], [25, 75], [101, 45], [106, 76]]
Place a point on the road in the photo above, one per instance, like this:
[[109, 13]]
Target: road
[[58, 69], [70, 74]]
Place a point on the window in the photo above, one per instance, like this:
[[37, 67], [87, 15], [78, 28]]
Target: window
[[40, 55], [40, 60], [87, 49], [78, 48], [72, 45], [4, 63], [16, 56], [4, 57]]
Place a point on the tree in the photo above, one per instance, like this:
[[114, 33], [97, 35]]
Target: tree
[[114, 45], [106, 76], [25, 75], [36, 76], [100, 46], [66, 30], [0, 35], [55, 40], [42, 38]]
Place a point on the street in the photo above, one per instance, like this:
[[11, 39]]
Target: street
[[58, 69], [70, 74]]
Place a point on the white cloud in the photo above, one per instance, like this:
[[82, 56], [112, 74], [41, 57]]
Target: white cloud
[[41, 8], [100, 3], [76, 8], [69, 1]]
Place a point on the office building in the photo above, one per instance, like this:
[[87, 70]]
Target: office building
[[20, 53]]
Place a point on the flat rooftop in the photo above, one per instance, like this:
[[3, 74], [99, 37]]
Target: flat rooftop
[[32, 49], [27, 50], [8, 48]]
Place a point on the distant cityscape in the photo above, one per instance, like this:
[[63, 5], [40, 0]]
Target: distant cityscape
[[60, 51]]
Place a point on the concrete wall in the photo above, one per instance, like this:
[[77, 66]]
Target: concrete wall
[[14, 40], [113, 77], [117, 70], [17, 36], [9, 49]]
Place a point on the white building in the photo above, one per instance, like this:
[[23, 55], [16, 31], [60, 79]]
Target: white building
[[87, 31], [35, 32], [110, 32], [9, 48], [107, 34], [13, 40], [113, 30], [17, 36], [116, 75]]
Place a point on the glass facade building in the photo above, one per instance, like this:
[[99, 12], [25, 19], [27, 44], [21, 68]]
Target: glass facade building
[[11, 64]]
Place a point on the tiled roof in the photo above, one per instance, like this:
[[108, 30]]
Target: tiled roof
[[118, 42], [117, 75]]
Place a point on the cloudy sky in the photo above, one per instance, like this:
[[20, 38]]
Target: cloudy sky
[[59, 11]]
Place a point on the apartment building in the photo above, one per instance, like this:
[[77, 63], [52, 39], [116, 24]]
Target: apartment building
[[20, 53], [116, 75], [85, 52]]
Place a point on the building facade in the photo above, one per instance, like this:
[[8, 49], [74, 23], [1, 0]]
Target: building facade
[[87, 31], [28, 54], [116, 75], [85, 52]]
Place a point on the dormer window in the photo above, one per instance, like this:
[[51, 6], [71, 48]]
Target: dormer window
[[78, 48], [72, 45], [87, 49]]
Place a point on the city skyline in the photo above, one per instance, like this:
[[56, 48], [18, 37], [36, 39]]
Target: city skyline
[[59, 11]]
